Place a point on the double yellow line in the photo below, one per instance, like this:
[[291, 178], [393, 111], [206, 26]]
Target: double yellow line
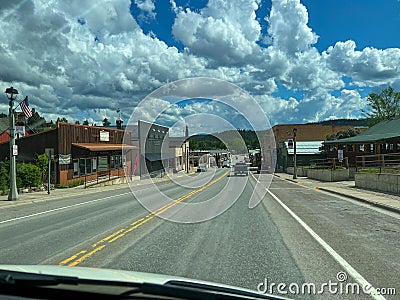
[[79, 257]]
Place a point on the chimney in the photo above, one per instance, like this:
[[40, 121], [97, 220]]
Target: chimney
[[119, 123]]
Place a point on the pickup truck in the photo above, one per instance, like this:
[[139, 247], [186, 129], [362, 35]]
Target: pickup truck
[[241, 168]]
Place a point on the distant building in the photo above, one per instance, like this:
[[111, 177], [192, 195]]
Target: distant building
[[309, 139], [179, 151], [21, 128], [382, 138], [157, 153], [305, 153], [310, 132]]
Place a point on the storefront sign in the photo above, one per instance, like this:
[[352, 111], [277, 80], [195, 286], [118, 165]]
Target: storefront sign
[[64, 159], [104, 136], [20, 131], [340, 155]]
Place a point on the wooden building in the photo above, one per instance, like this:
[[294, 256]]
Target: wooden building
[[80, 152], [383, 138]]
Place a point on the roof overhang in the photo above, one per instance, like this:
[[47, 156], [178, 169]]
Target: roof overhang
[[95, 147]]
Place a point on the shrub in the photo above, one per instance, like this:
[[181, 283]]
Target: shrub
[[4, 176], [41, 162], [28, 175]]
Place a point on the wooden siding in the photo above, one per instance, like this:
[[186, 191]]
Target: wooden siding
[[31, 145], [71, 133]]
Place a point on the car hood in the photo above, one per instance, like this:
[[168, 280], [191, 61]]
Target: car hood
[[108, 275], [92, 273]]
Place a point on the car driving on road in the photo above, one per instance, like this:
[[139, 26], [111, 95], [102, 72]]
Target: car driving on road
[[241, 168]]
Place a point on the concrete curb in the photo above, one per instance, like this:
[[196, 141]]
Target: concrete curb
[[292, 180], [70, 192], [43, 198], [374, 203]]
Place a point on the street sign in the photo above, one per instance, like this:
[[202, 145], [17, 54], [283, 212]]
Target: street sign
[[49, 153], [15, 150], [340, 155], [290, 144]]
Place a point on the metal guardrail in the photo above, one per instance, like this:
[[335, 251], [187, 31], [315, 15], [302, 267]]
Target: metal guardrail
[[382, 162]]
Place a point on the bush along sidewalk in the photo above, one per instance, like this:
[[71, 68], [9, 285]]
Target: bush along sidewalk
[[29, 176]]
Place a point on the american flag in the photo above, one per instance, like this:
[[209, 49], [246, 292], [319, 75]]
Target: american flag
[[25, 107]]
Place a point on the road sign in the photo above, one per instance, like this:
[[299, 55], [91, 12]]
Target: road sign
[[340, 155], [49, 153], [15, 150], [290, 144]]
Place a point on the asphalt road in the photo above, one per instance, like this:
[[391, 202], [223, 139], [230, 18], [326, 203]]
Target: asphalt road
[[295, 235]]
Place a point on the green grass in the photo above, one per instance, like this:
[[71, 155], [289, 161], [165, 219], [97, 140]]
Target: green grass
[[75, 184], [369, 171], [380, 170], [324, 168]]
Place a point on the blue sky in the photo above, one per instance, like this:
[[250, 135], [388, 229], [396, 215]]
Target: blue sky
[[369, 23], [301, 61]]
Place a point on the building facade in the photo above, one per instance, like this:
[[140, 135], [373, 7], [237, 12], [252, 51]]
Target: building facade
[[81, 153], [309, 132]]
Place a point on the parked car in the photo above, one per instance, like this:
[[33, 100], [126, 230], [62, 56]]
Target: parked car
[[226, 164], [201, 169]]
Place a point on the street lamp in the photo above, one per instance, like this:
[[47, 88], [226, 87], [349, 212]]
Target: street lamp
[[294, 154], [13, 194]]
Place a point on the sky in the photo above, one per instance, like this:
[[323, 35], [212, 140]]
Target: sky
[[301, 61]]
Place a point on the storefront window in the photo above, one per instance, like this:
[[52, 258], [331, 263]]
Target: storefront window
[[88, 165], [94, 164], [118, 161], [112, 163], [103, 163], [82, 166], [75, 164]]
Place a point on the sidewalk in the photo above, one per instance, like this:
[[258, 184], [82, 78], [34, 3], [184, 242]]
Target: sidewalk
[[42, 196], [347, 189]]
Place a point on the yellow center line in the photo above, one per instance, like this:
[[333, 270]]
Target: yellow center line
[[108, 237], [74, 260], [72, 257], [82, 258]]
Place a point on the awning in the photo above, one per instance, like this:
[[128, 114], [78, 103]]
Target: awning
[[103, 147], [158, 156]]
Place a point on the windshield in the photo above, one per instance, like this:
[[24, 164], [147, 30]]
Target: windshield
[[252, 143]]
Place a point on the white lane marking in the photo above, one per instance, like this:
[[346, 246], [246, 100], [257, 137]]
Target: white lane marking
[[61, 208], [355, 202], [350, 270]]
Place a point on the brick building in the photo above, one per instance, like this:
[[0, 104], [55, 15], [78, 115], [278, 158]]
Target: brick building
[[309, 132]]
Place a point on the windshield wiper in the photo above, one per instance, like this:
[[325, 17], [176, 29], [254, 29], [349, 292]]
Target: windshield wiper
[[55, 286], [16, 278], [195, 291]]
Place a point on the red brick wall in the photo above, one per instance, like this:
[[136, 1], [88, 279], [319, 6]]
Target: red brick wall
[[307, 132]]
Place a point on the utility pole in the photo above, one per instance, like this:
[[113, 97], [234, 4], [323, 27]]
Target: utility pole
[[294, 154], [13, 194], [187, 148]]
